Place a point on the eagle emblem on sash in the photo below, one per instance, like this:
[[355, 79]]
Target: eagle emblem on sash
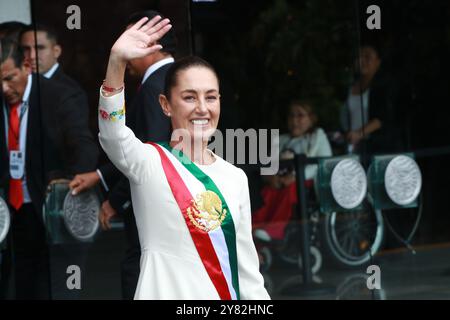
[[206, 212]]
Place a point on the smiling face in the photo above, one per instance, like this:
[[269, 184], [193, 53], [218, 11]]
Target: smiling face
[[299, 120], [194, 102]]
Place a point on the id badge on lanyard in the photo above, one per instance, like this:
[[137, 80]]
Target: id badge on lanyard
[[16, 157], [16, 164]]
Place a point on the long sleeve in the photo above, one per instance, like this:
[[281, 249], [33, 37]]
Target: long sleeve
[[251, 282], [120, 195], [320, 148], [80, 150], [323, 145], [148, 123], [126, 152], [344, 117]]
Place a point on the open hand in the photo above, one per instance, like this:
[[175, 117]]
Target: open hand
[[140, 40]]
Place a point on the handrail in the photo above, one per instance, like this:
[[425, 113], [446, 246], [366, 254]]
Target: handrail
[[421, 153]]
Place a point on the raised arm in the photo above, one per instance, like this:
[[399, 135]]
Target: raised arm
[[136, 42], [127, 152]]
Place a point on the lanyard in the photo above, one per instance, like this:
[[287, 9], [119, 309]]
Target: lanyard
[[23, 110]]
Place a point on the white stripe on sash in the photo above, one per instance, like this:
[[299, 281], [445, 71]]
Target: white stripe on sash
[[220, 246]]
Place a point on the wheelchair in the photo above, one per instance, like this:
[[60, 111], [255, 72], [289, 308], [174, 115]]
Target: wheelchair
[[287, 248], [344, 239], [351, 239], [347, 239]]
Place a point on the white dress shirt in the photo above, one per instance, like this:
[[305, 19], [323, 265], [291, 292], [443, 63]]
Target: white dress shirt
[[23, 113], [51, 71], [155, 67]]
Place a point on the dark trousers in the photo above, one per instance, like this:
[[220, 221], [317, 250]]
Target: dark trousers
[[130, 266], [5, 271], [28, 255], [33, 270]]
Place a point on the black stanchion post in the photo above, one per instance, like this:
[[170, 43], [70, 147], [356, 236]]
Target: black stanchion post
[[300, 163], [307, 287]]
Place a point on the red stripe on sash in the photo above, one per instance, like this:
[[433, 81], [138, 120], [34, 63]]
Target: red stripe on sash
[[201, 239]]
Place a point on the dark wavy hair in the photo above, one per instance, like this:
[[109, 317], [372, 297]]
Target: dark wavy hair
[[11, 50], [50, 32], [181, 65]]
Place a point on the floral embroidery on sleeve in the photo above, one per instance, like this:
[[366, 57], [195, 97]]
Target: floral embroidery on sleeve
[[113, 116]]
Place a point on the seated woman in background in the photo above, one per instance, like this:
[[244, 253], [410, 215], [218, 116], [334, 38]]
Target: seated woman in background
[[280, 194]]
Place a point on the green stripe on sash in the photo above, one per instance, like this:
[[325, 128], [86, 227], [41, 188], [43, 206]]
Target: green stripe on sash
[[228, 224]]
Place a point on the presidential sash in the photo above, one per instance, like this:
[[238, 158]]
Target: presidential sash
[[208, 219]]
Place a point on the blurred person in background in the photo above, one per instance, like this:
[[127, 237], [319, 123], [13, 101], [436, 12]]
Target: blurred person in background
[[42, 139], [369, 117], [11, 30], [41, 47], [280, 193]]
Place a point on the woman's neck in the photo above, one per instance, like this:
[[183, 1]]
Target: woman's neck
[[196, 151]]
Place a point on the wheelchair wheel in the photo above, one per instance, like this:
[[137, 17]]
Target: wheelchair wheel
[[290, 251], [351, 238], [354, 287], [316, 260]]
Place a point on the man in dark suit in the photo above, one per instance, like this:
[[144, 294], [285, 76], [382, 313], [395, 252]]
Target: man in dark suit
[[42, 53], [42, 50], [40, 46], [147, 120], [43, 138]]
